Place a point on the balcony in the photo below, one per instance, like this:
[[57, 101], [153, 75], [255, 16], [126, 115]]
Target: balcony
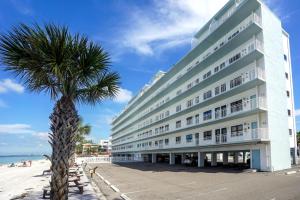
[[251, 135]]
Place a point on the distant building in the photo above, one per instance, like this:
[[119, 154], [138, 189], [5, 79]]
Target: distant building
[[90, 149], [105, 145], [232, 94]]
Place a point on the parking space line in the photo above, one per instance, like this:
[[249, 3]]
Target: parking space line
[[135, 191]]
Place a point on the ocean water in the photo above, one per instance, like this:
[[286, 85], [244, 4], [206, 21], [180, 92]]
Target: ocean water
[[19, 158]]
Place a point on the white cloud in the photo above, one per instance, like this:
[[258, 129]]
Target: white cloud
[[168, 24], [297, 112], [15, 128], [41, 135], [9, 85], [123, 96], [21, 129]]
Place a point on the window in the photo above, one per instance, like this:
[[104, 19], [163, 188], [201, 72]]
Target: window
[[156, 130], [157, 118], [150, 144], [285, 57], [189, 86], [189, 103], [217, 90], [197, 119], [167, 113], [236, 106], [289, 113], [178, 92], [222, 65], [156, 143], [288, 93], [237, 130], [216, 69], [234, 58], [197, 100], [197, 81], [217, 113], [208, 74], [161, 129], [167, 141], [286, 75], [178, 124], [236, 82], [167, 127], [178, 108], [189, 138], [189, 120], [223, 87], [207, 95], [290, 132], [223, 111], [207, 135], [178, 140], [217, 133], [207, 115]]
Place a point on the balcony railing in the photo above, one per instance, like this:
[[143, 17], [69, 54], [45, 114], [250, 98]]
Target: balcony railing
[[245, 106], [245, 136]]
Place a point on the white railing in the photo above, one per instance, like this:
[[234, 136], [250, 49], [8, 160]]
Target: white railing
[[245, 106], [100, 159], [126, 159], [247, 135]]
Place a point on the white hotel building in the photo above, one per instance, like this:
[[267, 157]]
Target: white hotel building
[[230, 96]]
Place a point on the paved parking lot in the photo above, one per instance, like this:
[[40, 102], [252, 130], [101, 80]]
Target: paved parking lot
[[146, 181]]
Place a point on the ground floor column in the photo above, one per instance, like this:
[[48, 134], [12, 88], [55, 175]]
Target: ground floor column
[[236, 157], [172, 159], [214, 159], [225, 158], [201, 157], [182, 158], [154, 158]]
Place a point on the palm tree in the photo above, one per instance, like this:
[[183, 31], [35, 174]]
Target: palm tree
[[71, 69], [82, 131]]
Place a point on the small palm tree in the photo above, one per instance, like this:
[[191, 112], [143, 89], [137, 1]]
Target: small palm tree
[[72, 70], [82, 131]]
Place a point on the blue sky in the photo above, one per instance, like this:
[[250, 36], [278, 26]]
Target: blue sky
[[142, 37]]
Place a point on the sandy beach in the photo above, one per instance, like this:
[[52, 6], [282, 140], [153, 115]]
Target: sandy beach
[[16, 181], [27, 182]]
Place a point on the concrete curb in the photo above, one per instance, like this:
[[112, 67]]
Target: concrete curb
[[123, 196], [115, 188], [290, 172]]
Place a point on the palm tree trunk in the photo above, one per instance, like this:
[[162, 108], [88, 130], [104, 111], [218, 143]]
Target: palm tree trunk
[[72, 152], [64, 123]]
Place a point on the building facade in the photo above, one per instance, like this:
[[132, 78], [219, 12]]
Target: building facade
[[105, 145], [231, 95]]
